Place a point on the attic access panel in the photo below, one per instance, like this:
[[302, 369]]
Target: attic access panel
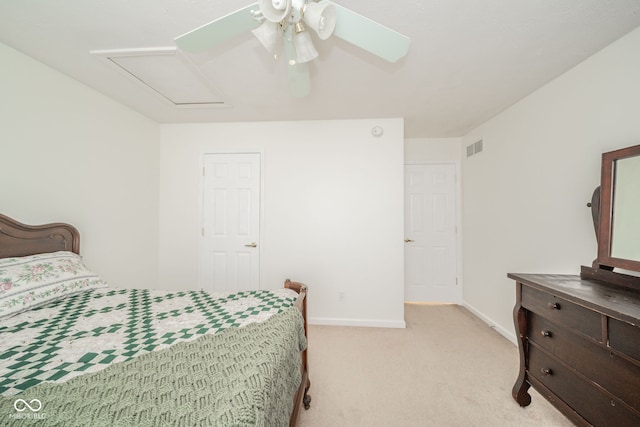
[[167, 73]]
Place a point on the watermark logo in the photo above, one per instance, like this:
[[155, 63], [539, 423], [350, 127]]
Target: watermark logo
[[21, 405], [28, 410]]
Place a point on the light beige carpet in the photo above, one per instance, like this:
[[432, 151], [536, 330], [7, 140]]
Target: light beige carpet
[[447, 368]]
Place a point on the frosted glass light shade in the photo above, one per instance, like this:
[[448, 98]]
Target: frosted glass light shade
[[305, 50], [321, 17], [275, 10], [267, 34]]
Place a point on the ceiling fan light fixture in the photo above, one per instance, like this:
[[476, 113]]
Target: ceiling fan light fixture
[[292, 21], [275, 10], [267, 33], [305, 50], [321, 17]]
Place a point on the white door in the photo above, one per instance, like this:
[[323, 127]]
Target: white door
[[430, 234], [229, 251]]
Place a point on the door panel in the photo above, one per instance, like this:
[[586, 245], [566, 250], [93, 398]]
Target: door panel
[[219, 209], [244, 212], [430, 234], [230, 254], [416, 211]]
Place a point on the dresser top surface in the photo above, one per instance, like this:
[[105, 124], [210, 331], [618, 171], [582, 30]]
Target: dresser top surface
[[617, 302]]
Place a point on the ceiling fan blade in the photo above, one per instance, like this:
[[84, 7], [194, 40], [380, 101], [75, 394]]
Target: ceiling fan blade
[[369, 35], [224, 28]]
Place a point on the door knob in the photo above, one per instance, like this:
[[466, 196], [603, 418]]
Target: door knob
[[408, 240], [252, 245]]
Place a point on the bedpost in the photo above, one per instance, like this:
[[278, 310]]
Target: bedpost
[[301, 302], [301, 396]]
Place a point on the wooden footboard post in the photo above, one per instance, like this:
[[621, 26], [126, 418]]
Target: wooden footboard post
[[301, 396], [301, 303]]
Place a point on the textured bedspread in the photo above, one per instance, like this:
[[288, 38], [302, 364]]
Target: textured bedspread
[[87, 332], [226, 379]]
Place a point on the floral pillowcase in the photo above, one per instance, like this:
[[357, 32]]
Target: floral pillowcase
[[31, 281]]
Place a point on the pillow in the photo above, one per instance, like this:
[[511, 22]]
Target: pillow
[[34, 280]]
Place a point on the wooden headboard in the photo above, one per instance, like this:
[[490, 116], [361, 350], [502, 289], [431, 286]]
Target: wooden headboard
[[17, 239]]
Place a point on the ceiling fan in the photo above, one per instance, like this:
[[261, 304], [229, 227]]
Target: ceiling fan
[[283, 25]]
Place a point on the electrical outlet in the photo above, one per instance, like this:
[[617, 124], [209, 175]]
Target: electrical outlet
[[341, 295]]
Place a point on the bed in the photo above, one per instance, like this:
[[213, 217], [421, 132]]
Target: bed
[[76, 351]]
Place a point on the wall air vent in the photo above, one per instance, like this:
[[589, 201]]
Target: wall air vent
[[474, 148], [470, 150], [167, 73]]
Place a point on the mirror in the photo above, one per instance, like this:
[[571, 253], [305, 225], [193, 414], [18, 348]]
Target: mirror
[[625, 226], [619, 230]]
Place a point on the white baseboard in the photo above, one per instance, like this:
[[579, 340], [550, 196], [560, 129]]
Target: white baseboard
[[401, 324], [371, 323], [510, 335]]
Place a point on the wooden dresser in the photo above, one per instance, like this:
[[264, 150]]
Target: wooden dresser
[[579, 344]]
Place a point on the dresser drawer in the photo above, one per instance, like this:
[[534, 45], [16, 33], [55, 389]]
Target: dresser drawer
[[625, 338], [593, 405], [612, 372], [563, 312]]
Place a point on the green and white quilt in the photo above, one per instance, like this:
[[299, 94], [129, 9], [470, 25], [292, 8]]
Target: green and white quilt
[[87, 332], [237, 377]]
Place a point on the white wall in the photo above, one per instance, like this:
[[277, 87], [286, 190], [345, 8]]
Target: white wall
[[432, 150], [525, 195], [333, 216], [68, 153]]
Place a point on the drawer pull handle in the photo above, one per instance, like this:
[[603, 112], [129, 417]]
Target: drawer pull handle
[[546, 334], [546, 371], [553, 306]]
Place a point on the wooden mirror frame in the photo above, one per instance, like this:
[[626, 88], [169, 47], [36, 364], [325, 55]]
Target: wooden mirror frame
[[605, 261]]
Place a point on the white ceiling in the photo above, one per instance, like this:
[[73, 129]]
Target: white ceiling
[[469, 59]]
